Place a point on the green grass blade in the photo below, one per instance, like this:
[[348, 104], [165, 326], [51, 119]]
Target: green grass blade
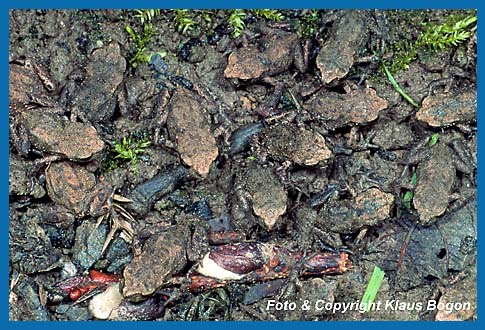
[[398, 88], [372, 287]]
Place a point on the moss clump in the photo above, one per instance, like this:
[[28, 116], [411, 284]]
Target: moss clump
[[451, 33], [434, 37], [187, 21], [269, 14], [125, 150], [308, 24]]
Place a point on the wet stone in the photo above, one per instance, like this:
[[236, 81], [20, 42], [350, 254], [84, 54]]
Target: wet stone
[[163, 255], [189, 126], [240, 138], [88, 244], [96, 97], [273, 55], [305, 218], [338, 53], [56, 135], [262, 290], [73, 312], [315, 289], [436, 176], [447, 109], [119, 263], [26, 304], [70, 185], [423, 256], [145, 194], [366, 209], [296, 144], [119, 254], [360, 106], [200, 209]]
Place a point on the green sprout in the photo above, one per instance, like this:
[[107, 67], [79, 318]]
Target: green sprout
[[207, 15], [194, 20], [408, 196], [141, 42], [373, 287], [236, 20], [405, 53], [184, 22], [434, 139], [142, 38], [146, 15]]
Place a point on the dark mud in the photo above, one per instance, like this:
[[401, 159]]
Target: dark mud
[[292, 141]]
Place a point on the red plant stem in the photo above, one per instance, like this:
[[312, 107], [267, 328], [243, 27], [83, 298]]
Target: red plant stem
[[318, 264]]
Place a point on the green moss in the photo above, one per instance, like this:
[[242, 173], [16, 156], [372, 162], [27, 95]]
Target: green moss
[[451, 33], [308, 24], [269, 14], [433, 37], [126, 150], [404, 54], [195, 22]]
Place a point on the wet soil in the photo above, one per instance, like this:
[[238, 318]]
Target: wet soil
[[268, 149]]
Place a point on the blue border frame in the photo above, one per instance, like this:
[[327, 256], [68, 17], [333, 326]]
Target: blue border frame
[[6, 5]]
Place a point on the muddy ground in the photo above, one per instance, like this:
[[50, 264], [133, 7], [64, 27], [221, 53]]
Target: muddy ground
[[260, 151]]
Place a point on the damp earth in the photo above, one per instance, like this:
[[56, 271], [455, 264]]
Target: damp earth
[[173, 165]]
